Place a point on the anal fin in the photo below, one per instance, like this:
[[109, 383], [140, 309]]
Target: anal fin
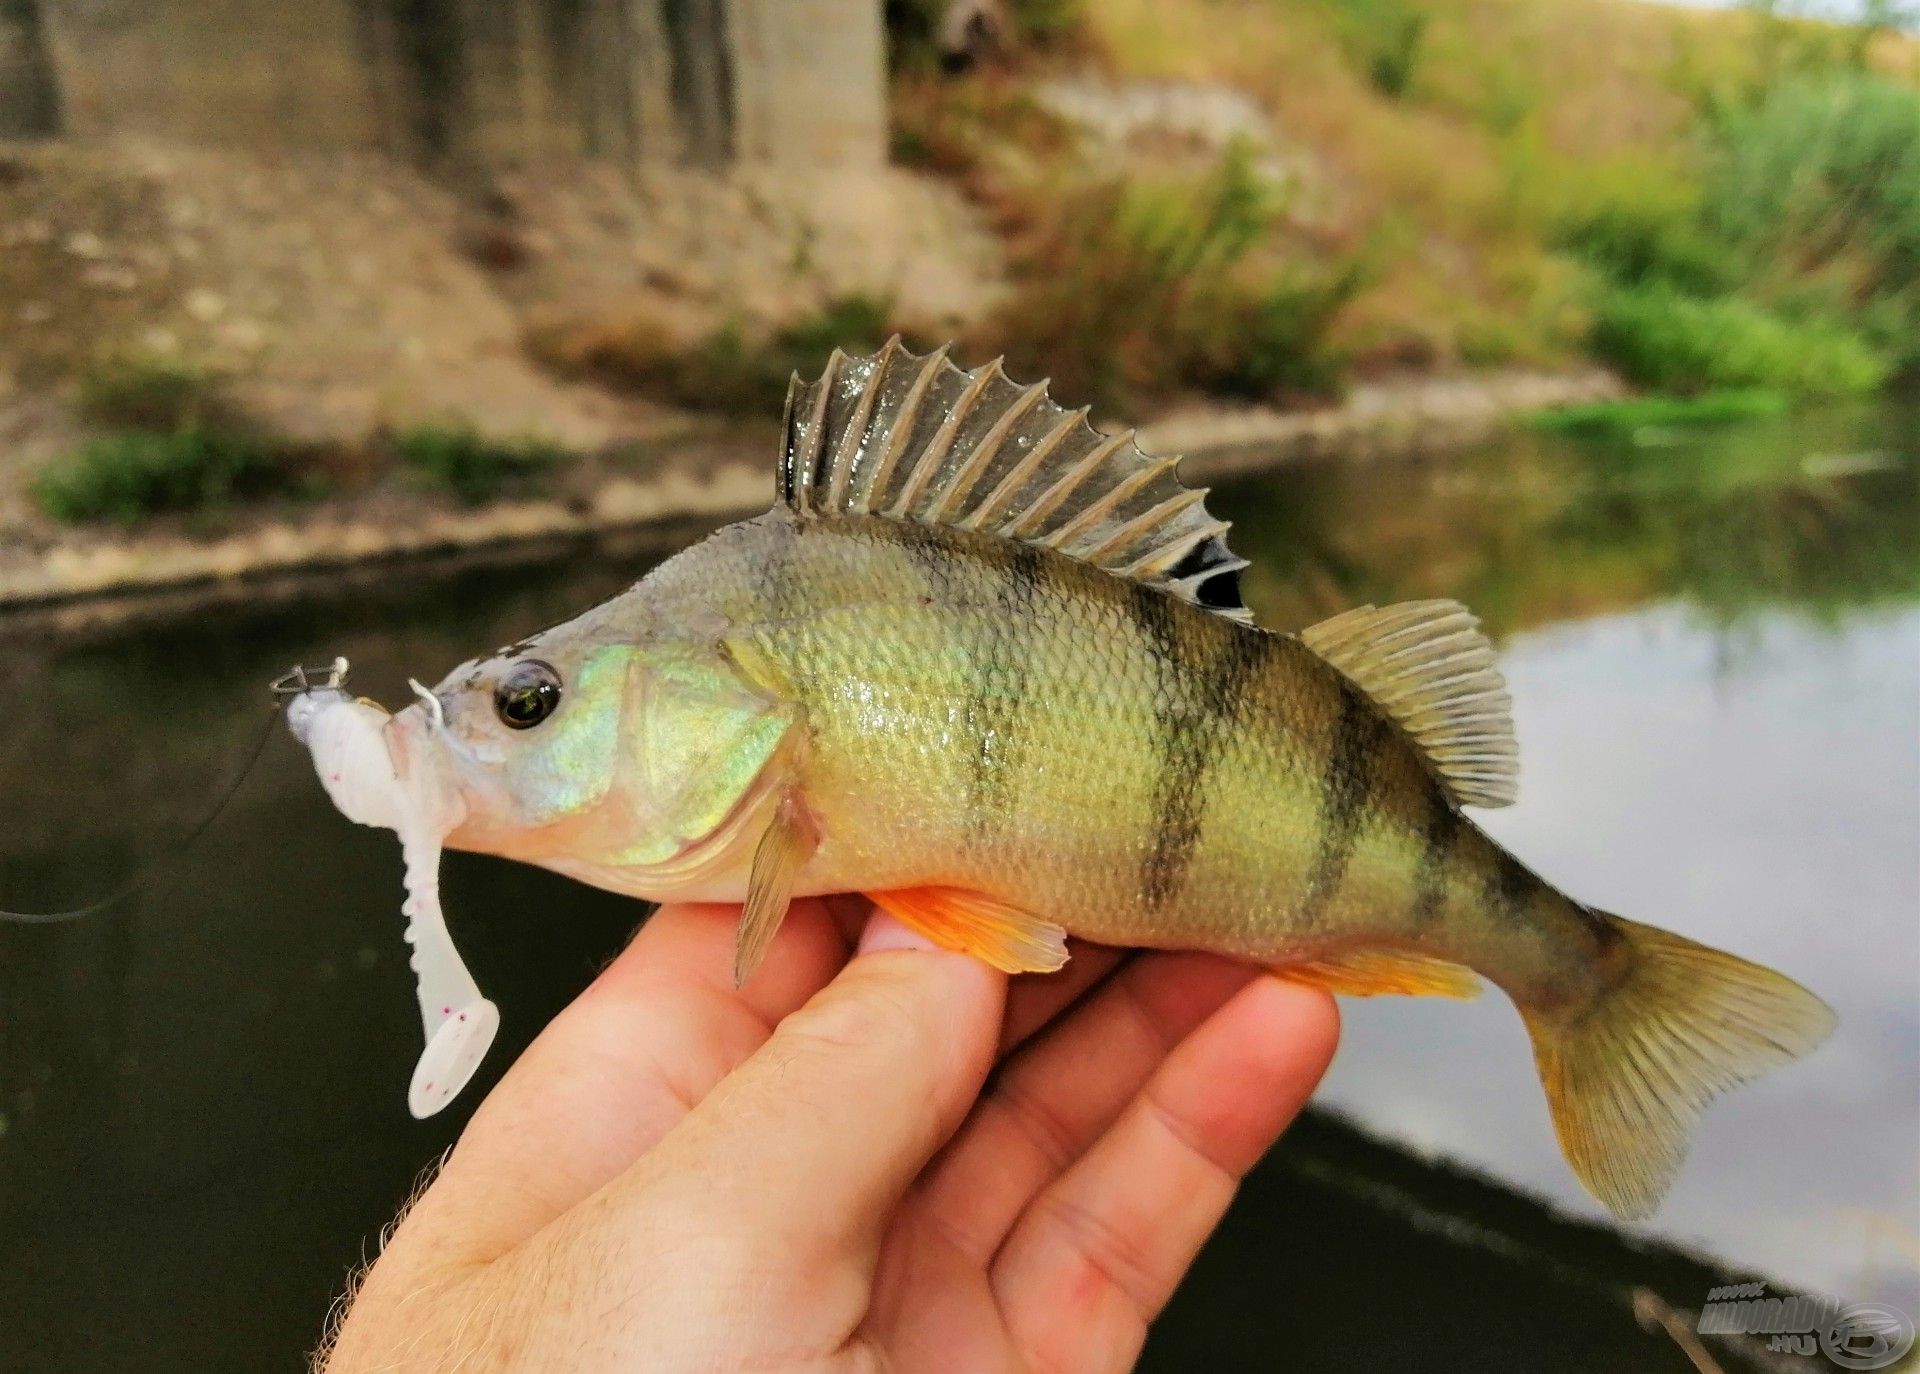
[[1012, 940], [1384, 972]]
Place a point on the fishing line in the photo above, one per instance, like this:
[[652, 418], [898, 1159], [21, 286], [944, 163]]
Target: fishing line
[[145, 875]]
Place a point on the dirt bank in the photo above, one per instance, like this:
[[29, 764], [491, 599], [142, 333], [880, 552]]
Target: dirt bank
[[712, 477]]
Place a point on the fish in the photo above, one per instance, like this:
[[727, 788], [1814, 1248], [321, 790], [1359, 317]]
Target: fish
[[991, 667]]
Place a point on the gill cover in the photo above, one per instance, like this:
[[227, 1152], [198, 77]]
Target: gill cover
[[708, 744], [700, 739]]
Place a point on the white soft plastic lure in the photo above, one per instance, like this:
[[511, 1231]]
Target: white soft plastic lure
[[376, 779]]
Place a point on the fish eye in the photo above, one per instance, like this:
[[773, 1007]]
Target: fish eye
[[527, 694]]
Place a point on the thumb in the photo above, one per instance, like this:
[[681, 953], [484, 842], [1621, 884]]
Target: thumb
[[819, 1133]]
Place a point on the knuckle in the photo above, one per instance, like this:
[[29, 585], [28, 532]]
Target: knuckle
[[858, 1019]]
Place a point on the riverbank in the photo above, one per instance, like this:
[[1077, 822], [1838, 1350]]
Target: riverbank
[[707, 474]]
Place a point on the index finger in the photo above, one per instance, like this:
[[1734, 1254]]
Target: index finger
[[808, 1145], [620, 1066]]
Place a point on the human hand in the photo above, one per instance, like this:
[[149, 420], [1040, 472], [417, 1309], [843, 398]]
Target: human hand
[[892, 1161]]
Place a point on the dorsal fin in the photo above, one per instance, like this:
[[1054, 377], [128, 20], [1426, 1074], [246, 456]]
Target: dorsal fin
[[1428, 665], [915, 438]]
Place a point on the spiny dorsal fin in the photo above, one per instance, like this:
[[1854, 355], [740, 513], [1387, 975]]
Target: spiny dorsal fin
[[1427, 664], [915, 438]]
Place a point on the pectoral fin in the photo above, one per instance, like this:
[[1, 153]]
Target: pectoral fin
[[1012, 940], [783, 851], [1379, 972]]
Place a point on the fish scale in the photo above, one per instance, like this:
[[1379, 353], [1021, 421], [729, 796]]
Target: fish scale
[[1179, 782]]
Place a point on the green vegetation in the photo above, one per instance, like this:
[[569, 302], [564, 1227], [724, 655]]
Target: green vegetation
[[1635, 414], [173, 442], [1142, 287], [1817, 188], [125, 477], [728, 370], [473, 467], [1706, 201], [1663, 338], [1732, 518], [1794, 264], [150, 392], [1383, 38]]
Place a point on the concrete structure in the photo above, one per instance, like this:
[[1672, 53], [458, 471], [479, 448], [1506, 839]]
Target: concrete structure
[[460, 85]]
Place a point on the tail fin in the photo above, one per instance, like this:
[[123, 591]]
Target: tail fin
[[1626, 1075]]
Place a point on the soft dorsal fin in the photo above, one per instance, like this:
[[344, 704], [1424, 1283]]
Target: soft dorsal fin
[[915, 438], [1428, 665]]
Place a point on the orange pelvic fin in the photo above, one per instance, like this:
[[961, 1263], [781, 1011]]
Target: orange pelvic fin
[[1376, 972], [1012, 940]]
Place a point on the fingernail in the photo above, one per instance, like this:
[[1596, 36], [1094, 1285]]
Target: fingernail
[[883, 932]]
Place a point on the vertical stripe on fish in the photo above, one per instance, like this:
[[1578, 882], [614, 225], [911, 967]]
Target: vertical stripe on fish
[[1344, 790], [1199, 686], [997, 699], [1430, 875]]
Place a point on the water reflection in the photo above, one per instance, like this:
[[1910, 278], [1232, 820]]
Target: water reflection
[[1714, 648], [1816, 514]]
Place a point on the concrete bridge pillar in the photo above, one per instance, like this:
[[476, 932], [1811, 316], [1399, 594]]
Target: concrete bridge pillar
[[463, 84]]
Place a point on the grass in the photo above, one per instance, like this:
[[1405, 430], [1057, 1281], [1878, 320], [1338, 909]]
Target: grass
[[151, 392], [1624, 418], [1817, 190], [473, 467], [729, 370], [174, 443], [126, 477], [1523, 180], [1785, 253], [1384, 38], [1662, 338], [1133, 289]]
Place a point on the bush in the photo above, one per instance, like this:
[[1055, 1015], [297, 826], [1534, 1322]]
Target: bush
[[1638, 221], [473, 467], [1818, 190], [125, 477], [1277, 338], [1141, 287], [1664, 338], [727, 371], [1624, 418], [141, 392], [1384, 38]]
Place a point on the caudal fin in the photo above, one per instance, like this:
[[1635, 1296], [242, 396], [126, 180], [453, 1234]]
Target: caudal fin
[[1627, 1075]]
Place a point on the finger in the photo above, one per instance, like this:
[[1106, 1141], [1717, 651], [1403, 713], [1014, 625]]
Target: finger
[[808, 1145], [616, 1070], [1035, 999], [1053, 1100], [1098, 1254]]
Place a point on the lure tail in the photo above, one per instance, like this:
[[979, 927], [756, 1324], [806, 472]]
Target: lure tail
[[1627, 1074]]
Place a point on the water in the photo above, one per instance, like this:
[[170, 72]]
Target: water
[[1715, 653]]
